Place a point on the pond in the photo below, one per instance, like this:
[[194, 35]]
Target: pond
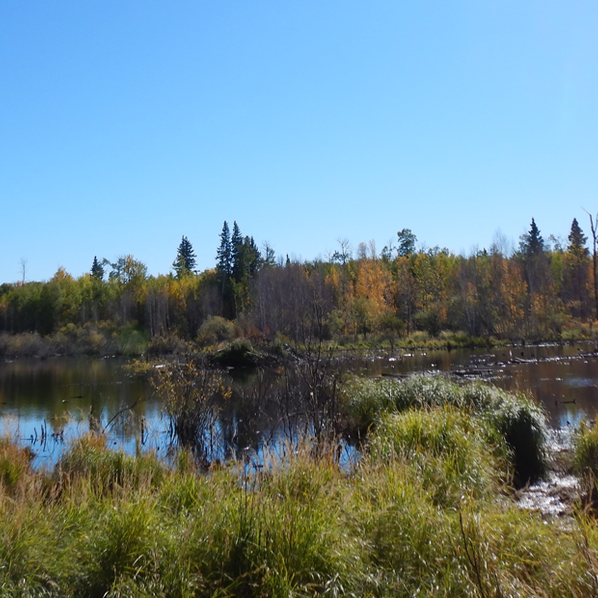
[[47, 402]]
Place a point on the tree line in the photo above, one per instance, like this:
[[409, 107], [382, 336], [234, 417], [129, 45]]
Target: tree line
[[536, 291]]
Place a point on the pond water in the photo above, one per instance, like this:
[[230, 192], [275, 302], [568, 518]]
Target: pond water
[[47, 402]]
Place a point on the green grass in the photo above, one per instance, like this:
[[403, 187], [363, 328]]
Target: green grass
[[425, 512], [515, 418]]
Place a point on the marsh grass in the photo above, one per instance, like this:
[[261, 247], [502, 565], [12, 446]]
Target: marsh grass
[[447, 451], [517, 420], [424, 512], [89, 458], [298, 526], [15, 463], [586, 448], [585, 461]]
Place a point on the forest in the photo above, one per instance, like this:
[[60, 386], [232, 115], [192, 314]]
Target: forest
[[540, 290]]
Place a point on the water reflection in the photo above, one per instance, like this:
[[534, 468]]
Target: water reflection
[[63, 395]]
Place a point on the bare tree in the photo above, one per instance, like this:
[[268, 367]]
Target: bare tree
[[23, 269], [593, 225], [345, 253]]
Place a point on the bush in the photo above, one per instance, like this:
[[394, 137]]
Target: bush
[[215, 330], [26, 344], [167, 345]]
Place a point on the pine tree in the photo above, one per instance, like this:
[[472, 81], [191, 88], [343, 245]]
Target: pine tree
[[224, 255], [237, 252], [532, 243], [577, 241], [185, 259], [97, 270]]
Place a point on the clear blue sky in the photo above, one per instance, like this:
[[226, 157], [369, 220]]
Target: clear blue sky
[[125, 125]]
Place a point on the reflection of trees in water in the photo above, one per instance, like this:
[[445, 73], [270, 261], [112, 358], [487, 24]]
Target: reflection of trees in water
[[273, 405]]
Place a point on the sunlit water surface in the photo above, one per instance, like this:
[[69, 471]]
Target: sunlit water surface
[[58, 397]]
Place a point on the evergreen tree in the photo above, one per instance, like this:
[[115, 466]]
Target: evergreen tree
[[577, 241], [254, 256], [224, 255], [269, 257], [237, 252], [185, 259], [97, 270], [532, 243], [576, 273]]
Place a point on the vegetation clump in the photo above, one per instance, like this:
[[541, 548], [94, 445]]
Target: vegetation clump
[[239, 353], [515, 418]]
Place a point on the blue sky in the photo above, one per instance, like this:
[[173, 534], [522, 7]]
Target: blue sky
[[125, 125]]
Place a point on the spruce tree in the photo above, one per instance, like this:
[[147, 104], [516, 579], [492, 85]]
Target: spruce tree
[[185, 259], [237, 253], [97, 270], [575, 273], [224, 254], [577, 241], [532, 243]]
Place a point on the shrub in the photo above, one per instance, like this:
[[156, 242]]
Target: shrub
[[192, 393], [215, 330]]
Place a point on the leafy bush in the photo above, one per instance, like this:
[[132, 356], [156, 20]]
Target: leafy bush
[[215, 330]]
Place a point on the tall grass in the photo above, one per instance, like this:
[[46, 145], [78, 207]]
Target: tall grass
[[423, 513], [446, 450], [518, 420]]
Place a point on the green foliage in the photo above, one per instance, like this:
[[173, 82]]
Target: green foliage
[[97, 269], [215, 330], [407, 241], [420, 515], [577, 241], [534, 294], [184, 263], [224, 254], [127, 270], [532, 243]]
